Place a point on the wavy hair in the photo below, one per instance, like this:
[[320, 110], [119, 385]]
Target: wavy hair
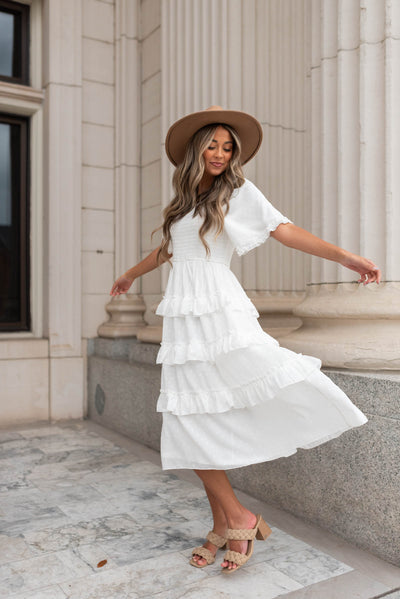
[[185, 182]]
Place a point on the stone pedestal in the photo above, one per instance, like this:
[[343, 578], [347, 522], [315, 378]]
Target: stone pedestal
[[150, 334], [126, 316]]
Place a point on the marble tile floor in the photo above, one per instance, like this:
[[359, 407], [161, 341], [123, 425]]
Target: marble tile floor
[[74, 493]]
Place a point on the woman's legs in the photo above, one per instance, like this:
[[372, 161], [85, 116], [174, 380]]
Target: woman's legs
[[217, 484], [219, 527]]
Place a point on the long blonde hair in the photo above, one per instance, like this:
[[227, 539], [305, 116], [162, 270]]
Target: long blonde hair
[[185, 182]]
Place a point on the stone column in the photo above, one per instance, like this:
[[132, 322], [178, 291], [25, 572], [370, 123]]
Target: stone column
[[126, 311], [62, 80], [260, 68], [355, 184]]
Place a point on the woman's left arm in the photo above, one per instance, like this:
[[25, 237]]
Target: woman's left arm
[[295, 237]]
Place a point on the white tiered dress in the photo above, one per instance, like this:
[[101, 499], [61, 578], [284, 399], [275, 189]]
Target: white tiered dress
[[230, 394]]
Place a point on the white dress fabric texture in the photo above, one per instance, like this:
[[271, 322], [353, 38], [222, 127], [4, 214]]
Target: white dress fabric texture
[[230, 395]]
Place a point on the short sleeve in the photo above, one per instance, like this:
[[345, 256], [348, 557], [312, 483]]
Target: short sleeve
[[251, 218]]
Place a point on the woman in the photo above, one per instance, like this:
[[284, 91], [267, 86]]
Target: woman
[[230, 395]]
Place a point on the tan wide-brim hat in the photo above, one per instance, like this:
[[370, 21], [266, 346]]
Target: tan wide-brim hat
[[247, 127]]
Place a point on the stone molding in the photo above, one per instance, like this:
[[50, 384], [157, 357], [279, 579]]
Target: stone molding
[[21, 99]]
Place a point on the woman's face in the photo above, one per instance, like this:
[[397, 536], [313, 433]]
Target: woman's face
[[219, 152]]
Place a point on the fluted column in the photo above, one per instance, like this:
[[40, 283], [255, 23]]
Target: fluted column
[[355, 184], [248, 55], [126, 311]]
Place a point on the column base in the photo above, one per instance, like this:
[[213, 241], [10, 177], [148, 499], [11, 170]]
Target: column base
[[348, 325], [150, 334], [276, 311], [126, 316]]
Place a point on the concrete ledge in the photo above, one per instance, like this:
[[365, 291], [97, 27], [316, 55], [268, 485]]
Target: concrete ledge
[[349, 485]]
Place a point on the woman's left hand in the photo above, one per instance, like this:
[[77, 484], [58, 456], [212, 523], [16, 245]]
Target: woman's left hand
[[295, 237], [367, 270]]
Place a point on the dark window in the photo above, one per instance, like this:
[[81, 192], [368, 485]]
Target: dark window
[[14, 223], [14, 42]]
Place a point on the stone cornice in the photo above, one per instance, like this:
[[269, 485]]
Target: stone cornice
[[20, 98]]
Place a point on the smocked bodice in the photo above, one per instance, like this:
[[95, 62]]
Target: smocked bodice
[[200, 283], [187, 245]]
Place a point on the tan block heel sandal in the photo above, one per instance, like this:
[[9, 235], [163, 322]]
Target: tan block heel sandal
[[260, 531], [215, 539]]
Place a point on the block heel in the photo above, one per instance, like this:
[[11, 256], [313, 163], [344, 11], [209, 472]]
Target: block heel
[[263, 530]]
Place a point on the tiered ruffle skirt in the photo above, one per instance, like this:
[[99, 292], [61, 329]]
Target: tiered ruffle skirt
[[230, 394]]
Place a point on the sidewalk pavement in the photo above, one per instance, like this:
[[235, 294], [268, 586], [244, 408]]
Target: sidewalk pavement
[[75, 494]]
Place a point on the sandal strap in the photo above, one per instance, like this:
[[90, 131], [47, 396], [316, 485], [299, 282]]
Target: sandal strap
[[204, 552], [236, 557], [241, 534], [215, 539]]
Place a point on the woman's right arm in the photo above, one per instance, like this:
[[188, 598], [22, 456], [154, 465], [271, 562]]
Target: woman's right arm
[[123, 283]]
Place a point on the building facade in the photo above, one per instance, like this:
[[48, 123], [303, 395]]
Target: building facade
[[105, 80], [88, 90]]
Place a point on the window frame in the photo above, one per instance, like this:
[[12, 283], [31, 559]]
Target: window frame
[[24, 323], [28, 100], [23, 11]]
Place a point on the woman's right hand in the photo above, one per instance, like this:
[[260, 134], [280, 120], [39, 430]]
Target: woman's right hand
[[121, 285]]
